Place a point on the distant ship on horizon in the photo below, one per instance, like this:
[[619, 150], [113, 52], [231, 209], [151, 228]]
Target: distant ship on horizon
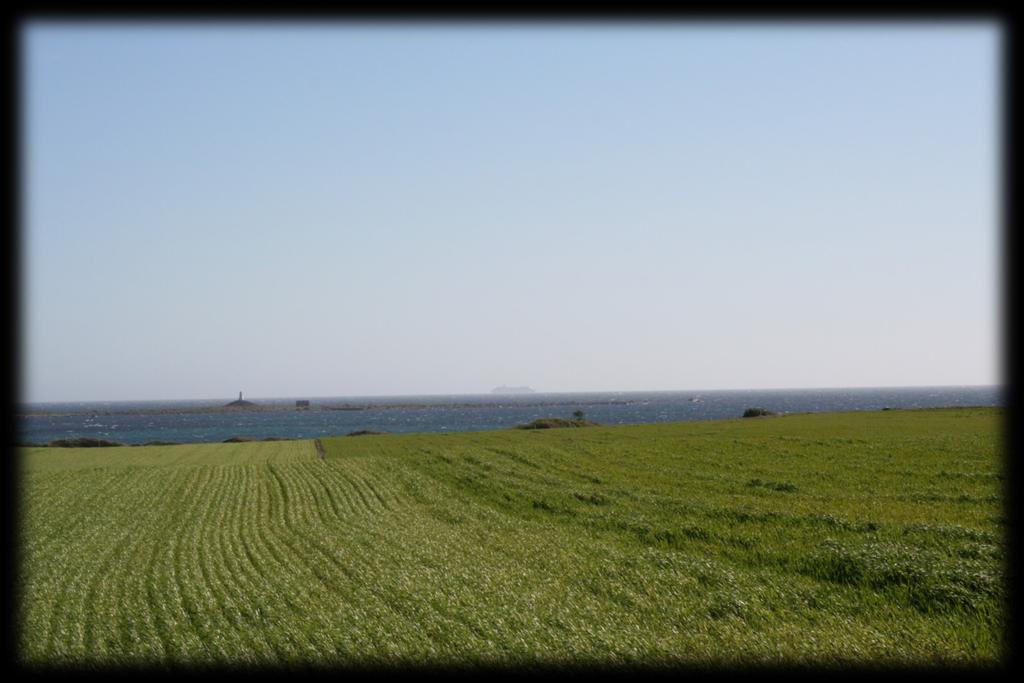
[[512, 390]]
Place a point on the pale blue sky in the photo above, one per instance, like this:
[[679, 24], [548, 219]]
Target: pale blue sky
[[399, 209]]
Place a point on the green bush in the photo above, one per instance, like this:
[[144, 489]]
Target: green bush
[[555, 423], [83, 442]]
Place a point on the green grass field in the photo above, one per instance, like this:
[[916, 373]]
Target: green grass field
[[815, 539]]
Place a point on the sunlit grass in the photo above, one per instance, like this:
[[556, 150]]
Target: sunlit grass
[[825, 539]]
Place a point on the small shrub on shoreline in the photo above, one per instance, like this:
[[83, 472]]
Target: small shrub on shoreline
[[556, 423], [83, 442]]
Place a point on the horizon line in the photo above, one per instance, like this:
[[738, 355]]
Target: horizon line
[[535, 392]]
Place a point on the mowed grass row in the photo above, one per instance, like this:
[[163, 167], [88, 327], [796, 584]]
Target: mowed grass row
[[859, 537]]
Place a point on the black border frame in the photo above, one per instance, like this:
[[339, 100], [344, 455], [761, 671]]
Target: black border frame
[[871, 12]]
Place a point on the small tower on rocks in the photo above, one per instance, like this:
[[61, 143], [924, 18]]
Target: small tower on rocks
[[240, 403]]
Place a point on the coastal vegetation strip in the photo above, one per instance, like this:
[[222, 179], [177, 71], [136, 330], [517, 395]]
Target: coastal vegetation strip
[[860, 537], [557, 423]]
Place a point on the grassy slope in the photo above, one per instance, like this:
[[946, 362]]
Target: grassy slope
[[822, 538]]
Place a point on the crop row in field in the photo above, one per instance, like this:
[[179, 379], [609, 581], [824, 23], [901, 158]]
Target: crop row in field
[[43, 459], [825, 538]]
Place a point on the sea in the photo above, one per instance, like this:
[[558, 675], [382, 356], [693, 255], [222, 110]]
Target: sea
[[137, 422]]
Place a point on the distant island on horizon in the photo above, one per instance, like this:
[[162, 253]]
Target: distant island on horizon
[[512, 390]]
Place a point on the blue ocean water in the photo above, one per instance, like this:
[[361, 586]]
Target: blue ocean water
[[398, 414]]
